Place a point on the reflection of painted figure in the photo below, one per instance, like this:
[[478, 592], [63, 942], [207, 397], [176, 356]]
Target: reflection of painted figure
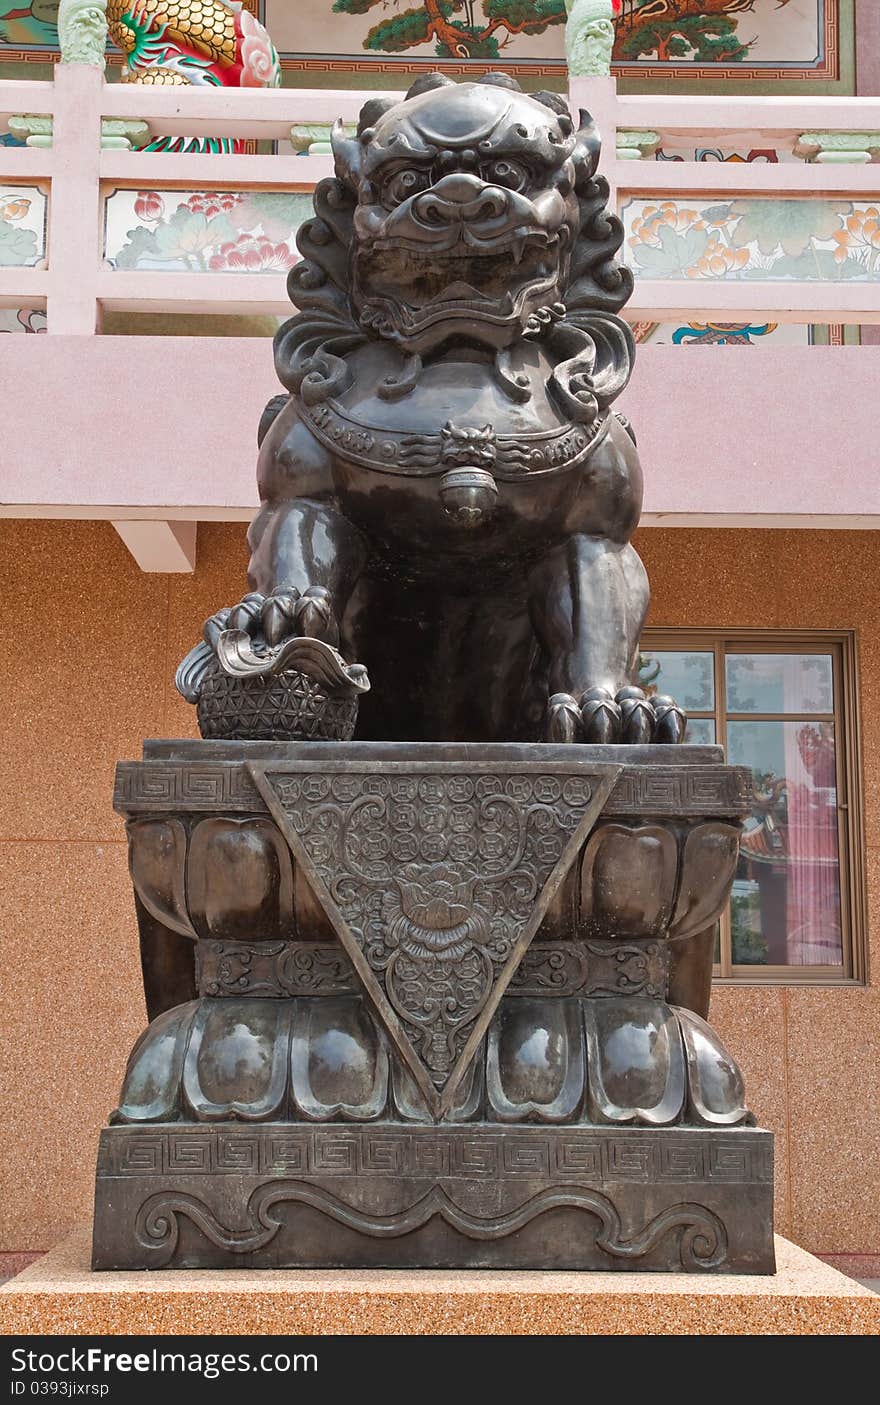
[[790, 854]]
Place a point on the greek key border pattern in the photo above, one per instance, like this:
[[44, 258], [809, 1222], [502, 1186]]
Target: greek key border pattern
[[206, 786], [569, 1154]]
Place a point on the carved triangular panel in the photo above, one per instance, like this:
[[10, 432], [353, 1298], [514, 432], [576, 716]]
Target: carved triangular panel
[[436, 876]]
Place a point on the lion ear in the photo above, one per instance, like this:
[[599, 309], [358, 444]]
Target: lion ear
[[347, 151], [588, 145], [372, 110]]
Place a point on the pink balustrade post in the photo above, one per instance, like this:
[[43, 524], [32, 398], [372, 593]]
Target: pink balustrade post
[[75, 236], [598, 96]]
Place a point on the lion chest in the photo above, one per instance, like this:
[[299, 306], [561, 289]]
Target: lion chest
[[453, 466]]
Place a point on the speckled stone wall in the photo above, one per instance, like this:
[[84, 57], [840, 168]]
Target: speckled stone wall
[[97, 677]]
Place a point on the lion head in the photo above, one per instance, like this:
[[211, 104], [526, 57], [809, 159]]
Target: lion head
[[464, 213]]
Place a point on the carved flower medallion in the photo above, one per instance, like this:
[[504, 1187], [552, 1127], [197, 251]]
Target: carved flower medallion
[[431, 911]]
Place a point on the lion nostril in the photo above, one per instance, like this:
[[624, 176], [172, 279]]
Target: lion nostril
[[491, 206], [460, 197], [430, 210]]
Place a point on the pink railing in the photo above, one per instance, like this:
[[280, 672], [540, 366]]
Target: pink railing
[[75, 284]]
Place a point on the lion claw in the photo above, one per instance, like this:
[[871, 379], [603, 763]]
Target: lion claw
[[600, 716], [563, 719], [671, 720], [313, 615], [629, 717]]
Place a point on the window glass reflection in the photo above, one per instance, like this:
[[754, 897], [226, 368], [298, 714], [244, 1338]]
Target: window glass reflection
[[780, 683], [700, 731], [785, 906], [688, 677]]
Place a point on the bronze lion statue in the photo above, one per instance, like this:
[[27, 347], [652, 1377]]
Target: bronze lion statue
[[447, 495]]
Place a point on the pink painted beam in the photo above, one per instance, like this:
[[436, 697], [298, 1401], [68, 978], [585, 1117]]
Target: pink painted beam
[[153, 291], [737, 300], [193, 170], [756, 179], [23, 287], [158, 545], [728, 435], [246, 112], [25, 163], [18, 96], [774, 116], [775, 436], [74, 207]]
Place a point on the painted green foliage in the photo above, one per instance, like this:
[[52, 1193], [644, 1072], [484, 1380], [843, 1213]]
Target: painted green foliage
[[812, 240], [475, 29], [221, 231], [693, 32], [17, 246], [702, 31], [699, 31]]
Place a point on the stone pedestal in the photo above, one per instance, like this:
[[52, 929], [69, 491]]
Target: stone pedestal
[[432, 1005], [805, 1297]]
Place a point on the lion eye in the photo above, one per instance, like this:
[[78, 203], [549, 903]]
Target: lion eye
[[511, 174], [404, 184]]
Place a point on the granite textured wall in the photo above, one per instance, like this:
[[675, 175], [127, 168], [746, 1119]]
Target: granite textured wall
[[96, 676]]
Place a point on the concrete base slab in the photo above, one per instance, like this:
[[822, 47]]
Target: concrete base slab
[[61, 1295]]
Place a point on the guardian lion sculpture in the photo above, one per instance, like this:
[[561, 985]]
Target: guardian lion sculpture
[[418, 1002], [446, 492]]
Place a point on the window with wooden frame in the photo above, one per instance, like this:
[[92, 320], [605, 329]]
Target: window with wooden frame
[[785, 705]]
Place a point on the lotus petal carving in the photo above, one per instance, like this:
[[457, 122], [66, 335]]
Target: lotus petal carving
[[240, 880], [708, 864], [151, 1087], [535, 1061], [635, 1062], [716, 1092], [237, 1060], [157, 862], [339, 1061], [628, 877]]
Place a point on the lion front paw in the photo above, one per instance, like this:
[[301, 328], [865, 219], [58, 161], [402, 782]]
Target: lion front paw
[[285, 614], [629, 716], [286, 636]]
